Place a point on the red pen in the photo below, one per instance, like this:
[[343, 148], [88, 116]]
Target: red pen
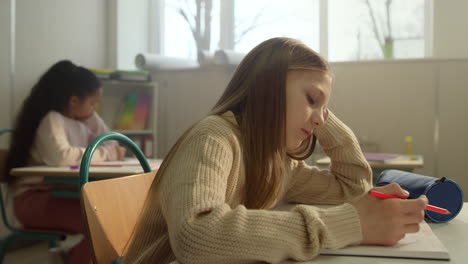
[[429, 207]]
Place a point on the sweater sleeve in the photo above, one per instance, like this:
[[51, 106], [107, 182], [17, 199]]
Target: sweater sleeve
[[348, 176], [51, 145], [99, 127], [204, 228]]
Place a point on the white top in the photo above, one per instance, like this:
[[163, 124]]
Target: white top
[[62, 141]]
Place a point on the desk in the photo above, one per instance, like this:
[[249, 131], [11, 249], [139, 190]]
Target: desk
[[454, 235], [401, 162], [128, 167], [66, 175]]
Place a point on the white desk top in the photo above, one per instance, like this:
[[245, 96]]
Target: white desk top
[[454, 235], [123, 168]]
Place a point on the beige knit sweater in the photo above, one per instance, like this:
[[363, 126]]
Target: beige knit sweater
[[198, 218]]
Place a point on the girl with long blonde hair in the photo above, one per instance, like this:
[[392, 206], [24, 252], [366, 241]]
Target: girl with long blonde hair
[[211, 199]]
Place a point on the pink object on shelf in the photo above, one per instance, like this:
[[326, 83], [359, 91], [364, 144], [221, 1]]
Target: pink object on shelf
[[379, 156]]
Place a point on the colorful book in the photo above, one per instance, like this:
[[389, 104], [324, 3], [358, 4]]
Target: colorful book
[[127, 117], [141, 112], [135, 112]]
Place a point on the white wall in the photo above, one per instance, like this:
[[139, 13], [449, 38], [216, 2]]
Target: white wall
[[4, 69], [453, 116], [51, 30], [4, 82], [186, 96], [386, 101], [133, 31], [128, 32], [450, 29]]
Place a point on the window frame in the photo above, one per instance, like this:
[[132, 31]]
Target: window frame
[[227, 23]]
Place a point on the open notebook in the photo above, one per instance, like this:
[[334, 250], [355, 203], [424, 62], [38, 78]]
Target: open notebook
[[422, 245], [154, 163]]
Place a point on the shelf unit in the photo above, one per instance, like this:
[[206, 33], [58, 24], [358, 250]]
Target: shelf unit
[[111, 107]]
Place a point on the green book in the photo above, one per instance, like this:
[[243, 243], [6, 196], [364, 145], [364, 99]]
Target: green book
[[133, 76]]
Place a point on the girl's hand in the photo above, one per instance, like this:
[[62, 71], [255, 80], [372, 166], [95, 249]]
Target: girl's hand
[[385, 222], [120, 152]]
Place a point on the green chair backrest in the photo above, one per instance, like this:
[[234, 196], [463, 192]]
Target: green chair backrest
[[87, 156], [111, 207]]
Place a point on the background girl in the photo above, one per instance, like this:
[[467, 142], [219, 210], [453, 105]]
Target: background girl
[[56, 123]]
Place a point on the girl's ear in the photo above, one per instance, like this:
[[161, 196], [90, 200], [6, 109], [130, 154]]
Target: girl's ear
[[74, 100]]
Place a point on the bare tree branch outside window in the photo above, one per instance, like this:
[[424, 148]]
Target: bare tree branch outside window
[[198, 22], [382, 27]]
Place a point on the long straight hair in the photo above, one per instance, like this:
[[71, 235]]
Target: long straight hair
[[52, 92], [256, 94]]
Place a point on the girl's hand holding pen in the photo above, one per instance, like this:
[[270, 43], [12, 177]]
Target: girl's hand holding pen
[[386, 221], [120, 152]]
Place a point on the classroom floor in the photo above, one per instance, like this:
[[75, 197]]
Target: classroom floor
[[36, 253]]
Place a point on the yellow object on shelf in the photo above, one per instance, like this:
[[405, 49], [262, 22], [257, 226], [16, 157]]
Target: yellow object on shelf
[[409, 145], [101, 70]]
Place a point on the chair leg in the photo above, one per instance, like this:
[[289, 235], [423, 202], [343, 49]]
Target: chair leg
[[2, 250], [52, 243], [6, 242], [14, 235]]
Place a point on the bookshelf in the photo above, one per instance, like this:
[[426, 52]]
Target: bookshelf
[[113, 105]]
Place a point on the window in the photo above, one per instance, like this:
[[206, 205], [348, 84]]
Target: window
[[256, 21], [361, 29], [180, 20], [355, 29]]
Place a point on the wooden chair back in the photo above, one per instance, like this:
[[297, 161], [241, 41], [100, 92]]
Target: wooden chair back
[[111, 209]]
